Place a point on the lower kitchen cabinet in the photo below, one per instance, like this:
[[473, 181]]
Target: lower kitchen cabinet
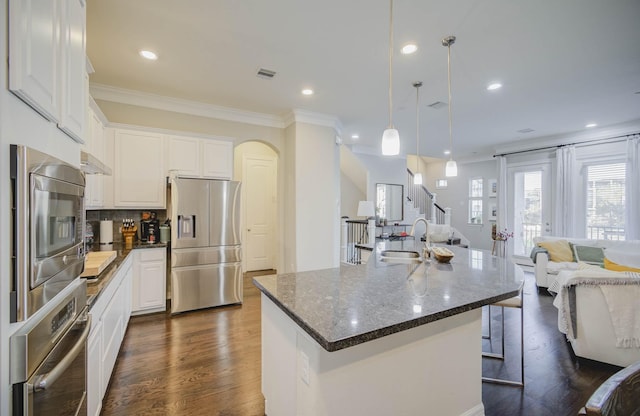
[[149, 281], [110, 315]]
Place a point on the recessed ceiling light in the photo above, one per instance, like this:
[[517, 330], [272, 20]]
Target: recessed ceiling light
[[591, 125], [148, 55], [409, 48], [494, 86], [355, 136], [307, 91], [447, 152]]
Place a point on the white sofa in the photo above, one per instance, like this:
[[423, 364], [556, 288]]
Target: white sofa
[[546, 271], [589, 302]]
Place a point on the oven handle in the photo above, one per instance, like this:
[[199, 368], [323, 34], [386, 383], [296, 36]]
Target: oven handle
[[46, 380]]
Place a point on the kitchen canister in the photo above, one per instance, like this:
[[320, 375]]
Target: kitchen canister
[[165, 233]]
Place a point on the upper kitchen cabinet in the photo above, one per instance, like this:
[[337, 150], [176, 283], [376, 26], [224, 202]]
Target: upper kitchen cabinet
[[47, 59], [74, 76], [200, 157], [95, 145], [139, 179], [217, 159]]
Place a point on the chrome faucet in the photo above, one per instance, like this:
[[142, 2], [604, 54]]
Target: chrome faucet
[[426, 231]]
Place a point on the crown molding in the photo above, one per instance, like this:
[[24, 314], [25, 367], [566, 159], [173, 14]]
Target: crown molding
[[177, 105], [309, 117], [581, 136]]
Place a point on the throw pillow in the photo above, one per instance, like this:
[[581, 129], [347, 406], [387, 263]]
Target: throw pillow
[[589, 254], [559, 250], [609, 265]]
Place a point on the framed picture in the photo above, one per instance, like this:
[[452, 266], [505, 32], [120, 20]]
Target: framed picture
[[493, 188], [493, 211]]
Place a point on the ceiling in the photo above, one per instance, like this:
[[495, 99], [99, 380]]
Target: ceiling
[[562, 64]]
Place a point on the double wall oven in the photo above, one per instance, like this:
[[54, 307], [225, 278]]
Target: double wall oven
[[48, 351]]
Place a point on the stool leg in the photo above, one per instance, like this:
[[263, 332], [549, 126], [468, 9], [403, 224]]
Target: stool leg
[[509, 382], [493, 354], [489, 314]]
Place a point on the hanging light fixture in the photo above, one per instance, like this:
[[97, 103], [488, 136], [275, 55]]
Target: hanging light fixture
[[451, 169], [390, 137], [417, 178]]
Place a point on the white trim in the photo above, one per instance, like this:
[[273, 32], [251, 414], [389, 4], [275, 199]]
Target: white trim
[[98, 112], [309, 117], [168, 132], [160, 102], [477, 410], [582, 136]]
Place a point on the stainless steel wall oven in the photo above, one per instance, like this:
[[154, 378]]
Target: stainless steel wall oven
[[47, 205], [49, 359]]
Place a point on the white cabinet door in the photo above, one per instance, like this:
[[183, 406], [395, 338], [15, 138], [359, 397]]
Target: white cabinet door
[[139, 174], [34, 54], [73, 72], [94, 371], [111, 338], [184, 156], [94, 191], [217, 159], [149, 281]]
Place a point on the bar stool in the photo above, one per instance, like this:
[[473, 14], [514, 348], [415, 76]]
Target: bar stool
[[514, 302]]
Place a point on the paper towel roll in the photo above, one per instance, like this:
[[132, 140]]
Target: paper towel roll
[[106, 232]]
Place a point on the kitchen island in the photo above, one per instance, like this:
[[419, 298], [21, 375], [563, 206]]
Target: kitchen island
[[381, 338]]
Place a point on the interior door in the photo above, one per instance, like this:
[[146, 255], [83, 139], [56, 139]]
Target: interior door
[[190, 220], [259, 210], [529, 206]]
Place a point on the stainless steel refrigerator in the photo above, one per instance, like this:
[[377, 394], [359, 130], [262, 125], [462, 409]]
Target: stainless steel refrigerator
[[205, 244]]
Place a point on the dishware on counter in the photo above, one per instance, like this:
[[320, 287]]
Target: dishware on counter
[[165, 233], [442, 254]]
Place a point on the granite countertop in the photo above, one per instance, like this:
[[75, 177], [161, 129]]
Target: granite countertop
[[352, 304], [96, 284]]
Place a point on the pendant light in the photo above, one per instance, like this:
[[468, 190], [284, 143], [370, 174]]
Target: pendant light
[[451, 169], [417, 178], [390, 137]]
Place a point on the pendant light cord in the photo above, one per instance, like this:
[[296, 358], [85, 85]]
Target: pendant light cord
[[417, 127], [390, 64], [449, 76]]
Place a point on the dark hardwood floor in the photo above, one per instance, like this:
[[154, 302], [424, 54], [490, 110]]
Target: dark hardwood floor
[[208, 363]]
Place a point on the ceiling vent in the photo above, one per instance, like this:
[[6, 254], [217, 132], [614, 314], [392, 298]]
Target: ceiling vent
[[265, 73], [527, 130], [437, 105]]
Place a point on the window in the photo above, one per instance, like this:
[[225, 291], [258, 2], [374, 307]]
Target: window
[[605, 201], [475, 201]]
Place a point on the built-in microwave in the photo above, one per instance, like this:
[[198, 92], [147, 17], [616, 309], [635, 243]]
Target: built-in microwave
[[47, 205]]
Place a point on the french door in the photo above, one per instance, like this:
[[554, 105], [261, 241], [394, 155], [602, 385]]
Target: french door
[[529, 205]]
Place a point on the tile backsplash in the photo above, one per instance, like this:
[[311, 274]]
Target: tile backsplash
[[117, 215]]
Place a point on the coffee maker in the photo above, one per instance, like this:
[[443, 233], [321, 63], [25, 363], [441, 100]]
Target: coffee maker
[[149, 228]]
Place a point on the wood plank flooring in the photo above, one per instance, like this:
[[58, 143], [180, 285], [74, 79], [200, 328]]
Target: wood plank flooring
[[208, 363]]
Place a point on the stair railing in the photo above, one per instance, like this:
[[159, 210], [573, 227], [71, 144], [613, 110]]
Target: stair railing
[[424, 201]]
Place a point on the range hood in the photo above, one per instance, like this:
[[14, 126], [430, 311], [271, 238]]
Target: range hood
[[91, 165]]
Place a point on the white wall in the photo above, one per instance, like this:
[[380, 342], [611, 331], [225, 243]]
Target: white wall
[[19, 124], [456, 196], [317, 197], [383, 169]]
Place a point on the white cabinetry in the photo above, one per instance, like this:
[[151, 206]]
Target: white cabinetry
[[110, 315], [149, 280], [95, 144], [47, 59], [139, 174], [218, 159], [200, 157]]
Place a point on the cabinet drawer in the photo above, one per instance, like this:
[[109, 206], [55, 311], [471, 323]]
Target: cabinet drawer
[[151, 254]]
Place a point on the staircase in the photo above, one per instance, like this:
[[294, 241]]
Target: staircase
[[419, 197]]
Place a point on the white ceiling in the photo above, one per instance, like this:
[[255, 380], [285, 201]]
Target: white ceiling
[[563, 63]]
